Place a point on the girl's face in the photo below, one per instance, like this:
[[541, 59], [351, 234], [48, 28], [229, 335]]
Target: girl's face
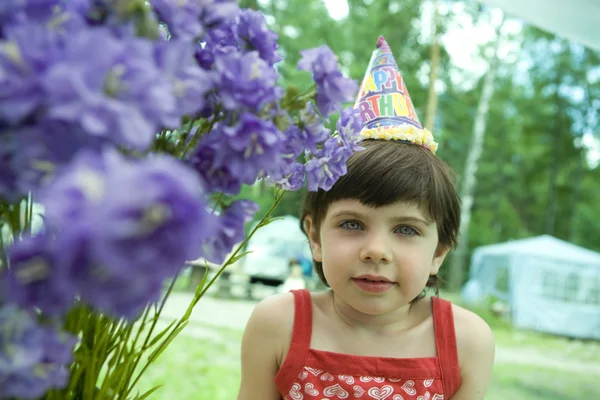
[[376, 259]]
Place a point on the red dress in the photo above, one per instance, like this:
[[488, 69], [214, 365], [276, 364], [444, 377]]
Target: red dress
[[309, 374]]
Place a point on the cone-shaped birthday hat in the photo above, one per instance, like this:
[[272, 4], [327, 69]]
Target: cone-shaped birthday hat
[[385, 105]]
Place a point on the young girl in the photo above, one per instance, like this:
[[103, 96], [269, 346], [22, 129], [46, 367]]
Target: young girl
[[378, 239]]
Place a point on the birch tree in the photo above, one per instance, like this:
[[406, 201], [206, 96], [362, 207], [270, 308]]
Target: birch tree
[[469, 177]]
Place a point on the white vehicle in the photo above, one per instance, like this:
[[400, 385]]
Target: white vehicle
[[272, 248]]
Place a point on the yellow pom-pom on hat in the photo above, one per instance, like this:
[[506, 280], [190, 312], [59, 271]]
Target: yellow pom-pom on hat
[[385, 105]]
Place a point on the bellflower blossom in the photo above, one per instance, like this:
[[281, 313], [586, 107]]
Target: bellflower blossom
[[349, 126], [33, 358], [328, 162], [25, 54], [222, 39], [181, 17], [312, 127], [118, 92], [70, 15], [333, 88], [36, 280], [114, 222], [253, 33], [326, 165], [187, 19], [233, 155], [290, 175], [245, 81], [31, 154], [190, 82], [230, 231]]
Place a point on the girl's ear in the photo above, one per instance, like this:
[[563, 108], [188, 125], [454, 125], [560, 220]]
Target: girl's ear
[[438, 259], [313, 238]]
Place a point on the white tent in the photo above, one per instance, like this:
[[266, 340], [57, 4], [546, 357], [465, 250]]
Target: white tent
[[577, 20], [550, 285]]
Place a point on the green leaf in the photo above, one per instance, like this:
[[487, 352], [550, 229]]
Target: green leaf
[[148, 393], [235, 258], [160, 335], [162, 347]]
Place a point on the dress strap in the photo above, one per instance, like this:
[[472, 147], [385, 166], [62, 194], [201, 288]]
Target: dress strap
[[301, 336], [302, 332], [445, 339]]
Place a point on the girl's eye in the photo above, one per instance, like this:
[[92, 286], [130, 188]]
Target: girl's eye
[[407, 230], [351, 225]]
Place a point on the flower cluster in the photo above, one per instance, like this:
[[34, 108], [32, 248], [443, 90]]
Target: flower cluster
[[88, 89], [32, 357], [111, 222]]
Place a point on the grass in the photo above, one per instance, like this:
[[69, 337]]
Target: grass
[[532, 382], [207, 367], [196, 368]]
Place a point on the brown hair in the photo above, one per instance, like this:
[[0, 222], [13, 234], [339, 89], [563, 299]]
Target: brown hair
[[387, 172]]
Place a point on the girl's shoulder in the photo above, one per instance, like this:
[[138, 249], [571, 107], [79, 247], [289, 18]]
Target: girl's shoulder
[[275, 311], [272, 323], [473, 335], [468, 324]]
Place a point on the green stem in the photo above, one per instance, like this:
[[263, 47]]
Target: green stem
[[149, 337]]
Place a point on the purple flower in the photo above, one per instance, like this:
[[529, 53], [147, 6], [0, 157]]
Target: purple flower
[[190, 82], [182, 17], [333, 88], [118, 92], [25, 54], [33, 358], [67, 16], [290, 174], [218, 12], [245, 81], [220, 40], [35, 279], [293, 179], [313, 128], [231, 230], [254, 34], [326, 165], [246, 151], [187, 19], [123, 227], [349, 126], [217, 178], [30, 155]]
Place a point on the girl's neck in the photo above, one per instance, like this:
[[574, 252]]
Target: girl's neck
[[398, 320]]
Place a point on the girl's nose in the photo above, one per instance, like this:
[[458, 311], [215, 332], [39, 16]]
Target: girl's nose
[[376, 250]]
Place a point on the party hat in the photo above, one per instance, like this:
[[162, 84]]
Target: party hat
[[385, 105]]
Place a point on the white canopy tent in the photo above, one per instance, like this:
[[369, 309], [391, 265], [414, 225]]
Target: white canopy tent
[[550, 285], [576, 20]]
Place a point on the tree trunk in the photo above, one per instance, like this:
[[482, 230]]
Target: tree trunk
[[467, 194], [553, 179], [577, 181], [550, 219], [503, 158], [432, 100]]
